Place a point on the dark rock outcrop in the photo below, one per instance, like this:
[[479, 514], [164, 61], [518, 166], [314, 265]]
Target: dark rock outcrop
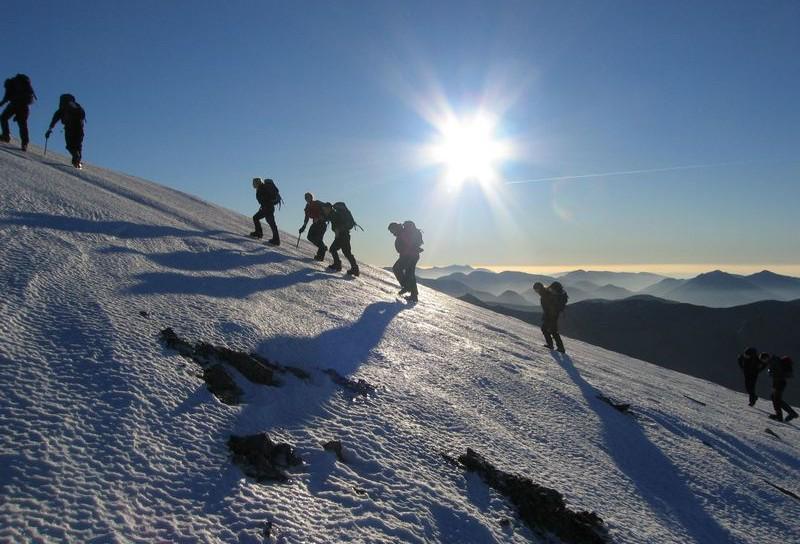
[[359, 387], [336, 447], [249, 367], [221, 385], [260, 458], [541, 508]]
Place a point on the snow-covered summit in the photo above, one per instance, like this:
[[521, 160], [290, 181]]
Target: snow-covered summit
[[108, 435]]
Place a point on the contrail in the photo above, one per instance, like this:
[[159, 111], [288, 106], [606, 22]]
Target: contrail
[[629, 172]]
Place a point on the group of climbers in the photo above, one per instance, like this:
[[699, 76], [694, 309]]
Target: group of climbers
[[408, 241], [780, 370], [19, 95]]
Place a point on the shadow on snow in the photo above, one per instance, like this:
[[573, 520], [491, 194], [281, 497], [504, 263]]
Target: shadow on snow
[[647, 467], [118, 229], [218, 260]]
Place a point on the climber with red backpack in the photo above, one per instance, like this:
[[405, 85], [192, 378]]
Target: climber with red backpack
[[408, 243]]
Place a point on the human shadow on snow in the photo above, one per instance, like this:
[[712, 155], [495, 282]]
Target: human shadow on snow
[[118, 229], [653, 474], [342, 349], [218, 260], [164, 283]]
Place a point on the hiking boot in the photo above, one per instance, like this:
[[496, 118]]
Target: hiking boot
[[5, 138], [561, 350], [274, 242], [412, 298], [790, 417], [353, 272], [335, 267], [402, 291], [255, 235], [548, 346], [776, 417], [24, 147]]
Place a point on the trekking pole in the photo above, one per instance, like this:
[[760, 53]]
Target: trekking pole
[[297, 245], [46, 139]]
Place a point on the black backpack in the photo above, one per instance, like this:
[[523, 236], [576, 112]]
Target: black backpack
[[414, 235], [72, 114], [559, 295], [272, 192], [20, 89], [345, 218]]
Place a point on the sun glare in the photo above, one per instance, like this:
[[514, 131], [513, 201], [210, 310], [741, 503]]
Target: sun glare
[[468, 150]]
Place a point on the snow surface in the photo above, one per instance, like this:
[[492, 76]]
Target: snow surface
[[108, 436]]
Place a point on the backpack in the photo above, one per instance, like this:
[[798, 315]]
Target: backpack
[[19, 89], [413, 235], [346, 220], [272, 192], [559, 296], [72, 114], [786, 367]]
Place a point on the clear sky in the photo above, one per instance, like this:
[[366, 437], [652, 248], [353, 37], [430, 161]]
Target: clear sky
[[346, 99]]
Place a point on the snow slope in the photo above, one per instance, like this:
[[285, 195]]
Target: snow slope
[[108, 436]]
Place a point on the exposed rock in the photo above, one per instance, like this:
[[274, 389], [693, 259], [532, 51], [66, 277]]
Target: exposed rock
[[541, 508], [222, 385], [359, 387], [621, 406], [336, 447], [173, 341], [262, 459], [251, 368], [254, 367]]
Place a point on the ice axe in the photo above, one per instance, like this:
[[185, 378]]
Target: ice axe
[[297, 245], [46, 139]]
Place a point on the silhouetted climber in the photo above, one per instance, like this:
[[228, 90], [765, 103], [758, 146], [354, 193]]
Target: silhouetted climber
[[20, 95], [780, 368], [268, 196], [553, 300], [342, 223], [72, 116], [751, 364], [316, 232], [407, 242]]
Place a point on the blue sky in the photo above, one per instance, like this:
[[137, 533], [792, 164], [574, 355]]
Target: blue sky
[[337, 98]]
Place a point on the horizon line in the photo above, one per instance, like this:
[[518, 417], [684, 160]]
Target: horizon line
[[664, 269]]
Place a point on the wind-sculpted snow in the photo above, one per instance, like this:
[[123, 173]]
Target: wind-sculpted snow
[[110, 436]]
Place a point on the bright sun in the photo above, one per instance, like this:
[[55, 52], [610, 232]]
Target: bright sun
[[469, 150]]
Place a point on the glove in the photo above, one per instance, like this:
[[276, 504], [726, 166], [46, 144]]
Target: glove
[[302, 229], [48, 133]]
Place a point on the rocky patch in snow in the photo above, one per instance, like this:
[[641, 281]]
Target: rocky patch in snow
[[541, 508], [262, 459], [254, 367], [336, 447], [221, 385], [359, 387], [620, 406]]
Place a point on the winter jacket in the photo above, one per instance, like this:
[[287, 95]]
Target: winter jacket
[[313, 211], [70, 114], [751, 366], [266, 195]]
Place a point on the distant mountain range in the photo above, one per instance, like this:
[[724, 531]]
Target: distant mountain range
[[695, 340], [713, 289]]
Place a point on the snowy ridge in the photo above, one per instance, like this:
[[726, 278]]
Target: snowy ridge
[[108, 436]]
